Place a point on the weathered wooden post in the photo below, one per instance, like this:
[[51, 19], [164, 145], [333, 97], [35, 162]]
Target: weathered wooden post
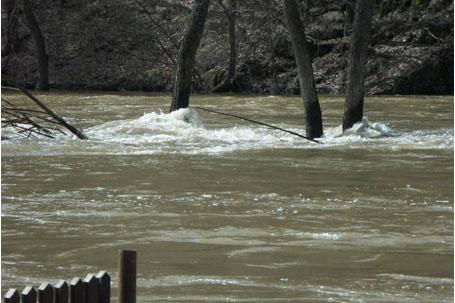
[[92, 289], [77, 293], [105, 287], [127, 276], [12, 296], [28, 295], [61, 292], [46, 293]]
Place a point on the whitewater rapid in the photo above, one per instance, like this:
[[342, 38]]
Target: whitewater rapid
[[183, 131]]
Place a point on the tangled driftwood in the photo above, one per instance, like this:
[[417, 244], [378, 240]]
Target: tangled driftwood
[[33, 122]]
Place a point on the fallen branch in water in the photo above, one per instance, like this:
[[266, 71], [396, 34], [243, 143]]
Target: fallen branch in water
[[17, 118], [24, 119], [257, 122]]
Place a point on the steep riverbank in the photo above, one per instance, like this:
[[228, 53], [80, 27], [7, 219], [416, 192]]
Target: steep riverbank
[[113, 46]]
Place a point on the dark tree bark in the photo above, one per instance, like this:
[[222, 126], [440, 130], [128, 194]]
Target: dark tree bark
[[230, 12], [232, 42], [305, 70], [187, 54], [41, 54], [353, 110], [350, 10], [349, 14], [11, 27], [168, 51]]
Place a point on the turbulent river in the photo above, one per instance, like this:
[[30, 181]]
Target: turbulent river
[[222, 210]]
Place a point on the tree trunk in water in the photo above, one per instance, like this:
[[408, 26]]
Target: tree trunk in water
[[41, 54], [305, 70], [187, 54], [353, 109]]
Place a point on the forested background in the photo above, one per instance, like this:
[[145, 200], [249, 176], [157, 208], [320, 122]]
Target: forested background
[[132, 45]]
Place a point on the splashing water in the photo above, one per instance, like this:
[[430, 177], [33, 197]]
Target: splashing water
[[188, 115], [369, 130], [182, 131]]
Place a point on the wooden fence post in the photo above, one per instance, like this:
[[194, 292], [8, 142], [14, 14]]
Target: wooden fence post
[[28, 295], [105, 287], [77, 294], [45, 293], [92, 289], [61, 292], [127, 276], [12, 296]]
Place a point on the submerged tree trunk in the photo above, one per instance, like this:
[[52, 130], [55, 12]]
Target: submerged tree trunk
[[43, 64], [353, 109], [187, 54], [305, 70]]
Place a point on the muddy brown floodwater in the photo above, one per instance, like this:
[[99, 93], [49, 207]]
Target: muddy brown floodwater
[[220, 210]]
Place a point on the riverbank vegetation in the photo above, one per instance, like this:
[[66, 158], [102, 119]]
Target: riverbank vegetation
[[133, 45]]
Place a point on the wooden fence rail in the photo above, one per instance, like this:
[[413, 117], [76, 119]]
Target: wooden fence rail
[[91, 289]]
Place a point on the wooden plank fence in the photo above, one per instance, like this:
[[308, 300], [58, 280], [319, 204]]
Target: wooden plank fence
[[91, 289]]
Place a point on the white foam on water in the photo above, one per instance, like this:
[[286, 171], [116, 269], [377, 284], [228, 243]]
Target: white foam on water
[[418, 279], [366, 129], [182, 131], [363, 131], [381, 135], [185, 131], [326, 236]]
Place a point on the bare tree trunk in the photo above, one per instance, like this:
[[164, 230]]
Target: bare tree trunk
[[350, 10], [226, 84], [232, 44], [305, 70], [11, 27], [353, 110], [43, 59], [187, 54], [349, 14]]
